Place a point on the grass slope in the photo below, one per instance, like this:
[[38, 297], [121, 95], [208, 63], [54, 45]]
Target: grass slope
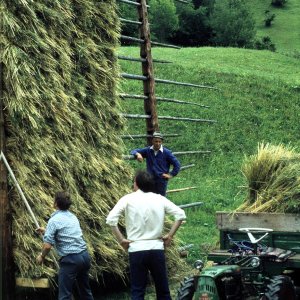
[[285, 29], [258, 101]]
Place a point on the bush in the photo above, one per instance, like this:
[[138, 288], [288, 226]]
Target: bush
[[278, 3], [265, 44], [268, 18]]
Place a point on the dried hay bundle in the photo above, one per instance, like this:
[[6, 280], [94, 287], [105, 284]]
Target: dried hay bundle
[[59, 81], [273, 177]]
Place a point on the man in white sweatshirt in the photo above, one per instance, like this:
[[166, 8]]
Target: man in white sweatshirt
[[144, 220]]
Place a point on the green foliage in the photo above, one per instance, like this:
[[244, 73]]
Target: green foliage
[[278, 3], [163, 19], [269, 17], [284, 32], [232, 23], [128, 12], [264, 44], [193, 28]]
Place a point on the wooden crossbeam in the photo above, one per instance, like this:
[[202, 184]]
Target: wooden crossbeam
[[134, 76], [137, 136], [131, 157], [132, 58], [186, 167], [139, 77], [130, 2], [122, 57], [192, 152], [191, 204], [181, 189], [165, 45], [130, 21], [180, 101], [142, 97], [185, 84], [134, 116], [133, 96]]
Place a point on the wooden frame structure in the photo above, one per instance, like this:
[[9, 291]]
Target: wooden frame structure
[[150, 99], [149, 80]]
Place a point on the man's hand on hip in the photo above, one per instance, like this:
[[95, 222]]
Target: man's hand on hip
[[125, 244], [166, 176]]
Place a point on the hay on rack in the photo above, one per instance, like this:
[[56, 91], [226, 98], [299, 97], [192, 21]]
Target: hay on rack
[[59, 84]]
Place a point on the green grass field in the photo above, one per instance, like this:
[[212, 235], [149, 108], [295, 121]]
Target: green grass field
[[258, 101], [285, 29]]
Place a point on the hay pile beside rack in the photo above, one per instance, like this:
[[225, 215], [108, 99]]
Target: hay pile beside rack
[[59, 82], [273, 180]]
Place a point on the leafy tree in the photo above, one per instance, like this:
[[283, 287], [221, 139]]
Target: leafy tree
[[130, 13], [194, 29], [163, 19], [232, 23]]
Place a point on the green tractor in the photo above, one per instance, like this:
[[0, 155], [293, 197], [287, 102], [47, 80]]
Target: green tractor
[[247, 270]]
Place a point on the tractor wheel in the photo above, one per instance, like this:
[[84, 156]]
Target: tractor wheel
[[187, 289], [280, 288]]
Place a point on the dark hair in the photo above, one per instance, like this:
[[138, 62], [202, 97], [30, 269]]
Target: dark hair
[[144, 181], [62, 200]]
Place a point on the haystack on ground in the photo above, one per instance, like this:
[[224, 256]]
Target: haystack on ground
[[273, 180], [59, 81]]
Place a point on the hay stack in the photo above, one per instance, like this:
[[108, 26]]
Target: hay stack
[[59, 81], [273, 180], [62, 121]]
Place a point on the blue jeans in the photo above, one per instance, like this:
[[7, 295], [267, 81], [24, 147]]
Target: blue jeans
[[74, 267], [161, 186], [141, 262]]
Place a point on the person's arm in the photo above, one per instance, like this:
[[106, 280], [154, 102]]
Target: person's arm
[[48, 238], [179, 216], [113, 220], [139, 154], [175, 163], [120, 238], [169, 236], [45, 250]]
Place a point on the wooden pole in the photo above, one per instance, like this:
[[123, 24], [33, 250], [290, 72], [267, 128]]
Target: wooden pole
[[147, 70], [191, 205], [181, 189], [7, 270]]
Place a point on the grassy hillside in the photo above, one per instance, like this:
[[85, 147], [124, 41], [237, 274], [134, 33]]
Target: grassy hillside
[[285, 29], [258, 101]]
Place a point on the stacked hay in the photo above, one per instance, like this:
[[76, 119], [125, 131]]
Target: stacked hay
[[273, 180], [58, 86], [59, 76]]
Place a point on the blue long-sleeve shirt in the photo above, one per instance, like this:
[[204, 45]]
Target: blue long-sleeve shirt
[[160, 163], [64, 232]]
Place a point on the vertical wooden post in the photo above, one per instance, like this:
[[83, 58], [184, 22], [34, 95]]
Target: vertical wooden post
[[7, 270], [147, 70]]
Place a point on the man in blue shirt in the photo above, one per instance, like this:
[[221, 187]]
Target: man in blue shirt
[[159, 160], [64, 233]]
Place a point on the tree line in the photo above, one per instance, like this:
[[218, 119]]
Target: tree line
[[228, 23]]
